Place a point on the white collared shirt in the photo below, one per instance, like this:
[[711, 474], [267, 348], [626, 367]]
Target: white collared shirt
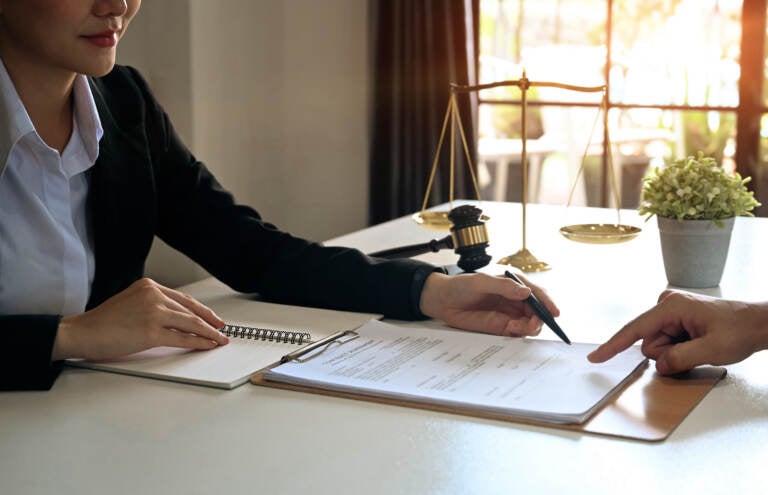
[[46, 249]]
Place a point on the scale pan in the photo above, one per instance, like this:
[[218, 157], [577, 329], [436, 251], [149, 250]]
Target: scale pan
[[437, 220], [600, 233]]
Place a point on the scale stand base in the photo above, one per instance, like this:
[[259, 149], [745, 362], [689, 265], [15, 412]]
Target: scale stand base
[[525, 261]]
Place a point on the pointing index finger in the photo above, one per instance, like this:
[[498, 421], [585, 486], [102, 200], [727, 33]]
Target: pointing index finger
[[642, 327], [620, 341]]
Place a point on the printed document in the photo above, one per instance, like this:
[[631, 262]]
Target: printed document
[[517, 377]]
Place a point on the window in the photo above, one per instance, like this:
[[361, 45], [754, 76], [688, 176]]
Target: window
[[676, 83]]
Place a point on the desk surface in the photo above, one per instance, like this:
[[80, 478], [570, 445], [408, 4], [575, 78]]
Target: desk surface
[[105, 433]]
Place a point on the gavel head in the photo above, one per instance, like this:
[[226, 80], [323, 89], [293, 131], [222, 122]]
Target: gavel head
[[470, 237]]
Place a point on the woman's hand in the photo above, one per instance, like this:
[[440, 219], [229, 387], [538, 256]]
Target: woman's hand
[[144, 315], [686, 330], [483, 303]]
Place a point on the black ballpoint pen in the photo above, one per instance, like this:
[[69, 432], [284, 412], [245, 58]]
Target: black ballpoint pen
[[540, 310]]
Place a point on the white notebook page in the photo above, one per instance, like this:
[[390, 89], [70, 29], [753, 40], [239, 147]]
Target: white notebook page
[[233, 364]]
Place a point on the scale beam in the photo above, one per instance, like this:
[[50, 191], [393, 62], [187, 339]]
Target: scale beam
[[524, 259]]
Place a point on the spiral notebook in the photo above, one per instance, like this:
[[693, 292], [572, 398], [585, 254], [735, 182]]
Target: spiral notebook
[[273, 331]]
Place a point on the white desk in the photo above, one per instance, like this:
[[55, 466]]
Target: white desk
[[110, 434]]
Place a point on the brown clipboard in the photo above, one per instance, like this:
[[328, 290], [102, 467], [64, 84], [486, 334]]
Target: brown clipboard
[[649, 408]]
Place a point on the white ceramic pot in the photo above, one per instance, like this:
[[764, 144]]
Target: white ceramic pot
[[694, 251]]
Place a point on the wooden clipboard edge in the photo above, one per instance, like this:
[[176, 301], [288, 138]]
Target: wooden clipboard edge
[[628, 415], [652, 406]]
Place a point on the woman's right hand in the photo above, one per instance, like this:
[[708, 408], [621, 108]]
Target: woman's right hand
[[143, 316], [483, 303]]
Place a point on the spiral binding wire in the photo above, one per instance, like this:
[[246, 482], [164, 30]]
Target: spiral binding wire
[[272, 335]]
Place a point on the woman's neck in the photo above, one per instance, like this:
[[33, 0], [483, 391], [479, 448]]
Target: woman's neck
[[47, 97]]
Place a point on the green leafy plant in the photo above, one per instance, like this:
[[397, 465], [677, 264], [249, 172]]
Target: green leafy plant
[[696, 188]]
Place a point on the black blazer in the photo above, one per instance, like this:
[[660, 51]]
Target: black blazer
[[146, 183]]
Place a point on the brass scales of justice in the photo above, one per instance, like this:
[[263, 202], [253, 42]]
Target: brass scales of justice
[[524, 259]]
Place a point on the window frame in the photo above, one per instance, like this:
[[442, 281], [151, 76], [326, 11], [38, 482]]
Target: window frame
[[749, 112]]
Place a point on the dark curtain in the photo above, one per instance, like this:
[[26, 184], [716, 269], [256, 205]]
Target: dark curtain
[[419, 48]]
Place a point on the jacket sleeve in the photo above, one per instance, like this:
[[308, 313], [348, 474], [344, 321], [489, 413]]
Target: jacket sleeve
[[197, 216], [28, 340]]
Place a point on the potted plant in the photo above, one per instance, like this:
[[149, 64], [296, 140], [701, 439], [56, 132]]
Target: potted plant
[[695, 202]]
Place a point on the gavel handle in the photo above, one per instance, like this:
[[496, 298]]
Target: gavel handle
[[434, 246]]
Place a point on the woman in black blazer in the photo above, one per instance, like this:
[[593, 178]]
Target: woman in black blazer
[[145, 182]]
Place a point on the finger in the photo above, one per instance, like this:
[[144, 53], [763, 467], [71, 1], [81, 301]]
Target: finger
[[183, 321], [645, 325], [505, 287], [491, 321], [655, 345], [620, 341], [522, 327], [194, 306], [685, 356], [494, 322], [532, 325], [172, 338], [665, 294]]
